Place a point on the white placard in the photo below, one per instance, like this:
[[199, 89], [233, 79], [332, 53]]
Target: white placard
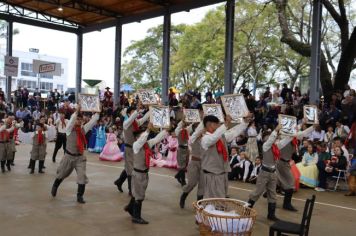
[[288, 125], [191, 115], [89, 102], [160, 116], [235, 106], [311, 114], [147, 96], [214, 110], [47, 67], [11, 67]]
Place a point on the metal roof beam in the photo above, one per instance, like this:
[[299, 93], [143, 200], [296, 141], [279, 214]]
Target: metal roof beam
[[145, 16], [38, 23], [82, 6]]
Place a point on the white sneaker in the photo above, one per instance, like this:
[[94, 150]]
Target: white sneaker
[[319, 189]]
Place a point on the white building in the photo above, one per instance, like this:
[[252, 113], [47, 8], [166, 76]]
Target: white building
[[27, 78]]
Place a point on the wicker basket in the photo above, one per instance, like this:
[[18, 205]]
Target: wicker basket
[[220, 225]]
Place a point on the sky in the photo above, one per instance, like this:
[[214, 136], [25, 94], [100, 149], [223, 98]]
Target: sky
[[98, 47]]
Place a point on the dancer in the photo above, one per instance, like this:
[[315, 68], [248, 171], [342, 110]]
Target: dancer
[[214, 160], [111, 151], [73, 157], [267, 178], [182, 132], [131, 124], [142, 154], [7, 142], [285, 176], [39, 145], [194, 166], [61, 138]]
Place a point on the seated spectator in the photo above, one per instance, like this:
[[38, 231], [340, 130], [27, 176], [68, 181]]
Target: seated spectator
[[234, 164], [303, 148], [341, 131], [245, 167], [308, 169], [256, 170], [337, 162], [317, 134], [352, 180]]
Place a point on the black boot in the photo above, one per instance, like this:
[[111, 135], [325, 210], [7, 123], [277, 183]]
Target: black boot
[[272, 212], [250, 203], [80, 194], [183, 178], [121, 180], [287, 203], [3, 166], [29, 165], [40, 167], [8, 165], [129, 178], [12, 162], [55, 186], [137, 214], [200, 197], [129, 208], [178, 176], [264, 195], [32, 166], [182, 199]]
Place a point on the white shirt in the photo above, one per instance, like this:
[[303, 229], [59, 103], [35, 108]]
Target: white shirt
[[143, 139], [210, 139], [60, 127], [251, 132], [317, 135], [36, 115], [88, 126]]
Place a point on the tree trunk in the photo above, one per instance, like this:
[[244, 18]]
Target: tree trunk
[[302, 48], [346, 62]]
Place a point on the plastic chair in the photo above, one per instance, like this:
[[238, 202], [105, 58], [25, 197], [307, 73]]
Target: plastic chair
[[301, 229], [341, 174]]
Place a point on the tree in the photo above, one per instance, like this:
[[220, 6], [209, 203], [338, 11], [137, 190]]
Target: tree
[[302, 45]]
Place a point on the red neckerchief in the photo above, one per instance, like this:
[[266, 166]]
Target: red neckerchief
[[148, 154], [40, 137], [221, 149], [295, 144], [135, 126], [184, 135], [63, 123], [276, 152], [81, 141], [5, 135]]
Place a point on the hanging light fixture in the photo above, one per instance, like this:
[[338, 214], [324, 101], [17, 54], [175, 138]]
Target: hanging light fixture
[[60, 8]]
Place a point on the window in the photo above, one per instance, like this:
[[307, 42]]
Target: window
[[46, 86], [27, 83], [27, 70], [46, 76], [60, 87]]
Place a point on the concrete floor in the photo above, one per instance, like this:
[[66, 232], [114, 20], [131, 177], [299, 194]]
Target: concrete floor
[[26, 207]]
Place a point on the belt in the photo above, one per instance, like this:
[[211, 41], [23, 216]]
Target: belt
[[74, 155], [128, 145], [195, 158], [59, 133], [284, 160], [141, 171], [183, 147], [4, 141], [207, 172], [267, 169]]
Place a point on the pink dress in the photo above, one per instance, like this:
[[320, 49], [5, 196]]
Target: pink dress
[[111, 151], [171, 160]]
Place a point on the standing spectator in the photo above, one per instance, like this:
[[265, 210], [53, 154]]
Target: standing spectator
[[51, 105], [171, 94], [245, 91], [124, 102], [2, 95], [56, 97], [18, 96], [286, 93], [173, 102], [71, 97], [267, 93], [25, 95], [108, 94], [37, 93], [36, 114]]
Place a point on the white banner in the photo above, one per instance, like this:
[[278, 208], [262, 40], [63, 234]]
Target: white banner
[[47, 67], [11, 66]]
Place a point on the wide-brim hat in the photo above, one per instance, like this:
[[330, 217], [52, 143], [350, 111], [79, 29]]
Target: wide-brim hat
[[107, 88]]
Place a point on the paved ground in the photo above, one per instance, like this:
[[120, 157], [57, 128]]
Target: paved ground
[[26, 207]]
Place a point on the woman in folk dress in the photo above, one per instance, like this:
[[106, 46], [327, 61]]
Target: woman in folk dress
[[251, 146], [308, 168], [111, 150]]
